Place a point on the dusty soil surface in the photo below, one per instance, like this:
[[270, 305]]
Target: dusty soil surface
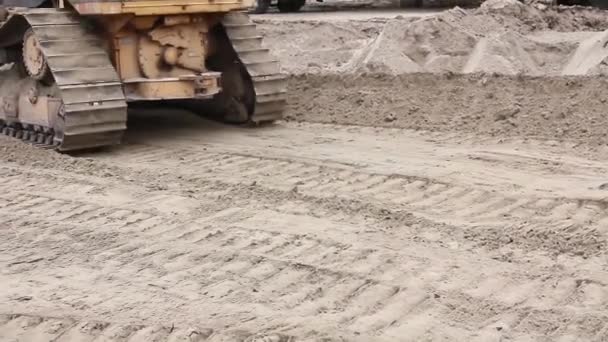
[[391, 206], [305, 230]]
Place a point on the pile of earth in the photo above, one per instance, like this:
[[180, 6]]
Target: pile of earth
[[501, 36], [505, 69]]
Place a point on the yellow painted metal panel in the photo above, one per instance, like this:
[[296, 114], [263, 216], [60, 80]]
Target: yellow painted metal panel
[[161, 7]]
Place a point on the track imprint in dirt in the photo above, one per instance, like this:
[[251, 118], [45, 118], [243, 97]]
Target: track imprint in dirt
[[247, 262], [29, 328]]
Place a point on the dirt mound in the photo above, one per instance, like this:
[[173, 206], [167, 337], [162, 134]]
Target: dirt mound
[[313, 47], [556, 108], [429, 44], [457, 70], [459, 42], [501, 36]]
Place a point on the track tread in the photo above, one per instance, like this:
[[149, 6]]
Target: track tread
[[269, 83], [95, 108]]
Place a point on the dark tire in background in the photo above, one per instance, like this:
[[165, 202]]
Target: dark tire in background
[[287, 6]]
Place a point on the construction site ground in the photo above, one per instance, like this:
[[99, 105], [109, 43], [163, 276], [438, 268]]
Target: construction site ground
[[439, 177]]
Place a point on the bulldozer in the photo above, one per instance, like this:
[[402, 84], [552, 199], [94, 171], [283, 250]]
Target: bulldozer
[[70, 69]]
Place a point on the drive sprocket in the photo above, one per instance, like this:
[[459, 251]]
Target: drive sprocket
[[34, 61]]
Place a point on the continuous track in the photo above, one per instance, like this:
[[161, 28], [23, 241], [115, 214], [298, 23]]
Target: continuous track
[[94, 106], [269, 83]]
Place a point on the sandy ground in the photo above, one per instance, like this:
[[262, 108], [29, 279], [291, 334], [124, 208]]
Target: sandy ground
[[390, 206], [306, 230]]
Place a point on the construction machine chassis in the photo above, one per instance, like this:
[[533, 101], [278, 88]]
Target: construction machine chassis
[[64, 86]]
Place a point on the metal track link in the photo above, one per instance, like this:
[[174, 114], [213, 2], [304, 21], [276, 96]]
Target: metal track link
[[269, 83], [94, 106], [37, 135]]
